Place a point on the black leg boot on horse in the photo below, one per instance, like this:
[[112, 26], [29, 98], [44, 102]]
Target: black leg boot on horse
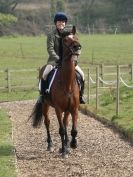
[[82, 99]]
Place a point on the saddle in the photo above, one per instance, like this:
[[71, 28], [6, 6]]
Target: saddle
[[46, 84], [51, 76]]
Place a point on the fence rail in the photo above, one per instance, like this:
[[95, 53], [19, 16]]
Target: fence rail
[[18, 79], [99, 78], [27, 79]]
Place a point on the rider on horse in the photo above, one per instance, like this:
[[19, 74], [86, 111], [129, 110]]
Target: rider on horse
[[54, 48]]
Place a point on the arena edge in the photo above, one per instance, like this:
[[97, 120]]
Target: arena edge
[[7, 156], [91, 112]]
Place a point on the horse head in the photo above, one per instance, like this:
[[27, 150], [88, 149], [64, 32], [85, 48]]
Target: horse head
[[71, 45]]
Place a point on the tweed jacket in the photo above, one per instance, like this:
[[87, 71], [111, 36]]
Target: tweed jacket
[[53, 47]]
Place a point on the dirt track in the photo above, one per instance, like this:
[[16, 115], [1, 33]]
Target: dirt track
[[100, 152]]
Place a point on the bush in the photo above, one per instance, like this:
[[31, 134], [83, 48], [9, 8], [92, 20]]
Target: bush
[[7, 19]]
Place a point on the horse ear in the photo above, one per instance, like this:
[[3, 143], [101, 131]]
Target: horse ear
[[74, 30]]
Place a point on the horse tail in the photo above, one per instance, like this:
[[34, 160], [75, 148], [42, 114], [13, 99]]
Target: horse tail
[[37, 114]]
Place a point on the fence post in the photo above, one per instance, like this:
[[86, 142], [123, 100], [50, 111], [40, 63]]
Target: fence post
[[8, 80], [92, 57], [117, 92], [88, 95], [102, 73], [131, 72], [97, 86]]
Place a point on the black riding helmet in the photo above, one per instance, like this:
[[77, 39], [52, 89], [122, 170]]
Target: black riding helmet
[[60, 16]]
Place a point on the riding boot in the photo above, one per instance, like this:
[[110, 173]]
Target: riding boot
[[43, 87], [82, 99]]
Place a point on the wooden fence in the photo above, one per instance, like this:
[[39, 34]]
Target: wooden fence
[[100, 81], [96, 77], [20, 79]]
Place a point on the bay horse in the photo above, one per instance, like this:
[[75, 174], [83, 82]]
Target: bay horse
[[64, 94]]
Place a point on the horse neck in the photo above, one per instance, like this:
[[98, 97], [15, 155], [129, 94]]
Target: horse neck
[[68, 72]]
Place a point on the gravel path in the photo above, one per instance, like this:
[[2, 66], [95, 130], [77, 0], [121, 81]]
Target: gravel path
[[100, 152]]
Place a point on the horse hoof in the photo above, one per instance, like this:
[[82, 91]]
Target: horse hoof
[[50, 149], [68, 151], [65, 156], [60, 150], [74, 145]]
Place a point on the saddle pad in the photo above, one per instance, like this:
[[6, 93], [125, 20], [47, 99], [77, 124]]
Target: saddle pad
[[50, 78]]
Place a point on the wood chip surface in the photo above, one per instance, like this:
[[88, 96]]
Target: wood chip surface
[[101, 152]]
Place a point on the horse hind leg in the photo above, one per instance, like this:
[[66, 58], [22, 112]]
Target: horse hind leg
[[47, 125]]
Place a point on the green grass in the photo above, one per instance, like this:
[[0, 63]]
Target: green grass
[[107, 108], [22, 52], [7, 159], [107, 49], [18, 95], [30, 52]]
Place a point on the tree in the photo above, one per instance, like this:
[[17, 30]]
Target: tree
[[122, 14], [55, 6], [87, 14], [8, 6], [60, 5], [52, 8]]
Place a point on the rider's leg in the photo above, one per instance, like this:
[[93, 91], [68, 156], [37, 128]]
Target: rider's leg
[[47, 71], [82, 100], [42, 82]]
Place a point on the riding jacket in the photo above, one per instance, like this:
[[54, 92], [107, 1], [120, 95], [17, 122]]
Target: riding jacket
[[54, 47]]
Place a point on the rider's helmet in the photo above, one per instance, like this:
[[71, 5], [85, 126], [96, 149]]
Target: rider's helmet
[[60, 16]]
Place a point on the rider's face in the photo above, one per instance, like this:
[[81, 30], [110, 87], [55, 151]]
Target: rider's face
[[60, 25]]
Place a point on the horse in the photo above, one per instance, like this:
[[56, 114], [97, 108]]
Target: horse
[[64, 96]]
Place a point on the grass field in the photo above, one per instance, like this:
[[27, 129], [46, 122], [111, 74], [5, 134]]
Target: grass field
[[7, 160], [107, 49], [30, 52]]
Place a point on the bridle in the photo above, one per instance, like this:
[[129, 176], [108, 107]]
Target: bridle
[[72, 48]]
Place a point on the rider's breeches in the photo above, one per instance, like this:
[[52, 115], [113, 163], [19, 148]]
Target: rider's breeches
[[50, 67], [47, 71], [45, 74], [80, 72]]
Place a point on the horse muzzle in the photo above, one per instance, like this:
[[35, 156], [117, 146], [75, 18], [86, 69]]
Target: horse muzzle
[[76, 50]]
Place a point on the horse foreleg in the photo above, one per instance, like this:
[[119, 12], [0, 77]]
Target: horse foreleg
[[47, 124], [62, 133], [65, 121], [74, 129]]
